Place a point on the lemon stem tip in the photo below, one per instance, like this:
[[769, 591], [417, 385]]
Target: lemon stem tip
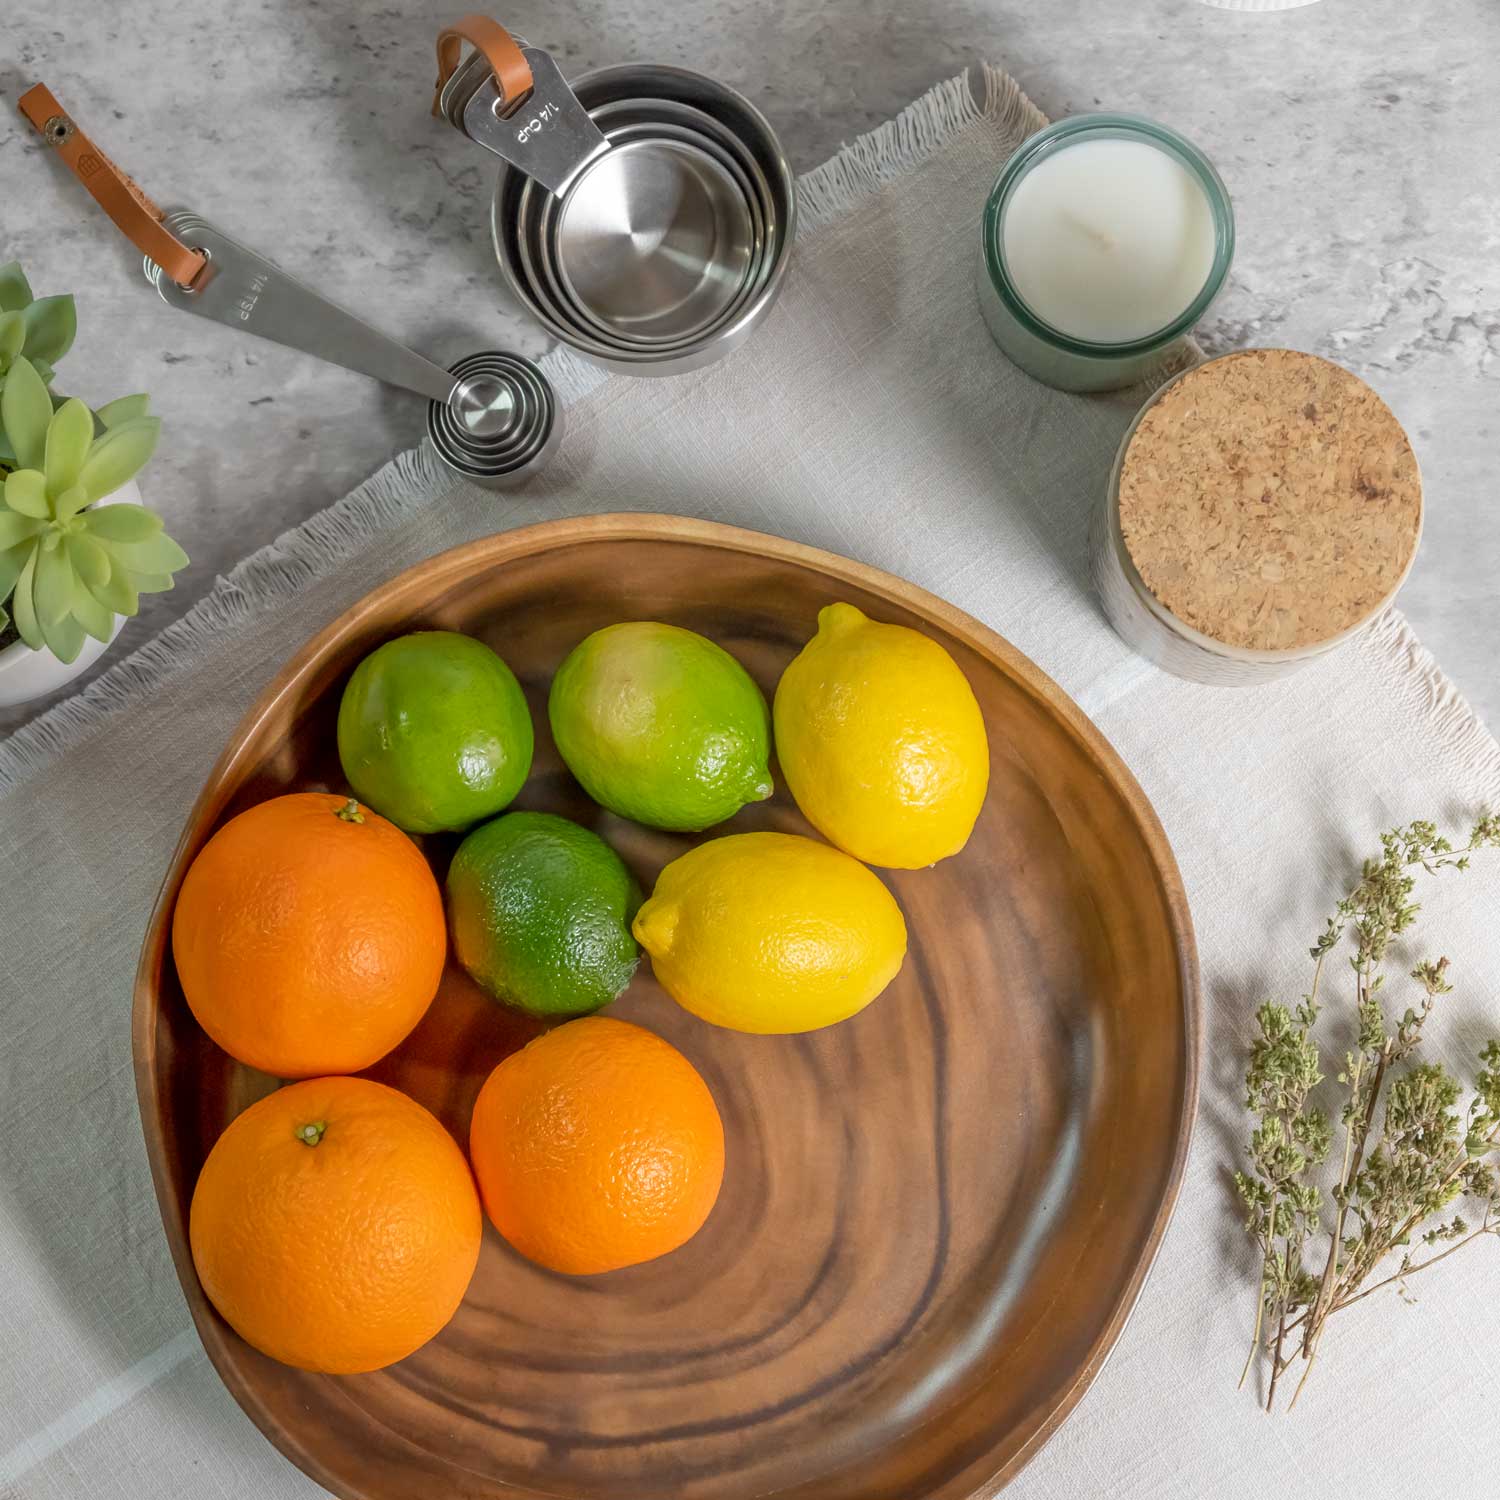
[[654, 925]]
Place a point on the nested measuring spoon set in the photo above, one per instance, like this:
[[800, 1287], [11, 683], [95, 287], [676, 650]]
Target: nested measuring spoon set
[[644, 215]]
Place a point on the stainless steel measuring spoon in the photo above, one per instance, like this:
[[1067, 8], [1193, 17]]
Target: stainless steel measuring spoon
[[492, 418]]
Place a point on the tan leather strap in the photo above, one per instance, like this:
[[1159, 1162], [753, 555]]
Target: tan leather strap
[[136, 215], [512, 71]]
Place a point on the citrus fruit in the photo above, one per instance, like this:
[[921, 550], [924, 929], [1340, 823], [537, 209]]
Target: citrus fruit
[[661, 725], [596, 1146], [771, 932], [540, 911], [434, 731], [335, 1225], [882, 741], [308, 936]]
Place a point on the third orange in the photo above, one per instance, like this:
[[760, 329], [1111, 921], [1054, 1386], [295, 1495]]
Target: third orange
[[597, 1146]]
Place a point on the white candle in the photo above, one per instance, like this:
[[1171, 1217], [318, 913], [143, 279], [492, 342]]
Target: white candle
[[1108, 240]]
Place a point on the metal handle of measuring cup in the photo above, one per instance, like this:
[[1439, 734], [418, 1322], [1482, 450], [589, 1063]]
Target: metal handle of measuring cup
[[543, 131]]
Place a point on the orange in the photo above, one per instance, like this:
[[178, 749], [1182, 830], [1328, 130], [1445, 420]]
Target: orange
[[335, 1225], [309, 936], [596, 1146]]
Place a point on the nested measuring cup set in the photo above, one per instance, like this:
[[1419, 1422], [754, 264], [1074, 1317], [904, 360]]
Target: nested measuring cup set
[[643, 215]]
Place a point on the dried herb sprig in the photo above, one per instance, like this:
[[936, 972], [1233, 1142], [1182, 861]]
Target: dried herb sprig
[[1394, 1183]]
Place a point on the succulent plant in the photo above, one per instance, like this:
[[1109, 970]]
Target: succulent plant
[[67, 568], [38, 329]]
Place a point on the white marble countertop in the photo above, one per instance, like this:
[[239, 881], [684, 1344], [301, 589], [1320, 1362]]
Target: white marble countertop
[[1359, 139]]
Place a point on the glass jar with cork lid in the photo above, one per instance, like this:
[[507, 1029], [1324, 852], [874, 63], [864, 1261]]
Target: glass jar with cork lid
[[1264, 507]]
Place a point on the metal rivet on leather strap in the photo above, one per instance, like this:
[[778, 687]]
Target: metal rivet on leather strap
[[58, 130]]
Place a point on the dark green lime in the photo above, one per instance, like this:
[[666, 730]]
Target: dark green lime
[[434, 732], [540, 910]]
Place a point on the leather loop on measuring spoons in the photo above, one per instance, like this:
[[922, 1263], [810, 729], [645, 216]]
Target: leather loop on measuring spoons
[[511, 71], [136, 216]]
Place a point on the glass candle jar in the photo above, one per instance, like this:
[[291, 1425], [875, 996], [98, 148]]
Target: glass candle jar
[[1093, 269]]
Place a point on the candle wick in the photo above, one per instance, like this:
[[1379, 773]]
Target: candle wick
[[1100, 237]]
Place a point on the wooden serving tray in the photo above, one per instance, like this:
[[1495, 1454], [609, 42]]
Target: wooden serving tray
[[935, 1216]]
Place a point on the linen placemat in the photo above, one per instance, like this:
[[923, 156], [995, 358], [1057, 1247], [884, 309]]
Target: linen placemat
[[871, 416]]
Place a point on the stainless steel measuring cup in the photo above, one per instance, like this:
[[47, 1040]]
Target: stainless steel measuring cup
[[643, 310], [654, 253]]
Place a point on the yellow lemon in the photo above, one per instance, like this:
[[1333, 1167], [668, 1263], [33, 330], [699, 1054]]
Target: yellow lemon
[[771, 932], [881, 741]]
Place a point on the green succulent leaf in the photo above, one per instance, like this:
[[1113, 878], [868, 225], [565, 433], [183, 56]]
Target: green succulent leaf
[[24, 613], [26, 495], [12, 560], [7, 453], [64, 638], [158, 554], [90, 560], [119, 455], [52, 587], [15, 290], [116, 592], [70, 502], [70, 435], [12, 337], [51, 324], [122, 523], [25, 411], [98, 621], [151, 583], [123, 409], [17, 527]]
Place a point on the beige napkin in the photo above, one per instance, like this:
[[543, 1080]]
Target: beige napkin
[[871, 416]]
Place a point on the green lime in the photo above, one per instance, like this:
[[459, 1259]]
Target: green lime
[[434, 732], [540, 911], [661, 725]]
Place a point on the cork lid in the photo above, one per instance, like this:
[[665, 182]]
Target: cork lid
[[1270, 500]]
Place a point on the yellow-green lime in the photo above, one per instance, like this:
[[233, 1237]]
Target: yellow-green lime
[[661, 725], [434, 732], [540, 912], [771, 932]]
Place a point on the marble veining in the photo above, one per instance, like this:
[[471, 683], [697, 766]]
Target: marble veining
[[1360, 143]]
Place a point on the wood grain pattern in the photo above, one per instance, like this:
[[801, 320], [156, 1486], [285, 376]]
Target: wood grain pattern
[[935, 1217]]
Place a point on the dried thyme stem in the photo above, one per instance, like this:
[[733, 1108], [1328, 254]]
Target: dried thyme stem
[[1409, 1151]]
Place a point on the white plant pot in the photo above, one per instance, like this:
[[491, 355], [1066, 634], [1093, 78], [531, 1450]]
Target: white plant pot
[[26, 674]]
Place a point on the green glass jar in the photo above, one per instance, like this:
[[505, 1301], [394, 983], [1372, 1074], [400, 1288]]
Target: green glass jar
[[1062, 360]]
